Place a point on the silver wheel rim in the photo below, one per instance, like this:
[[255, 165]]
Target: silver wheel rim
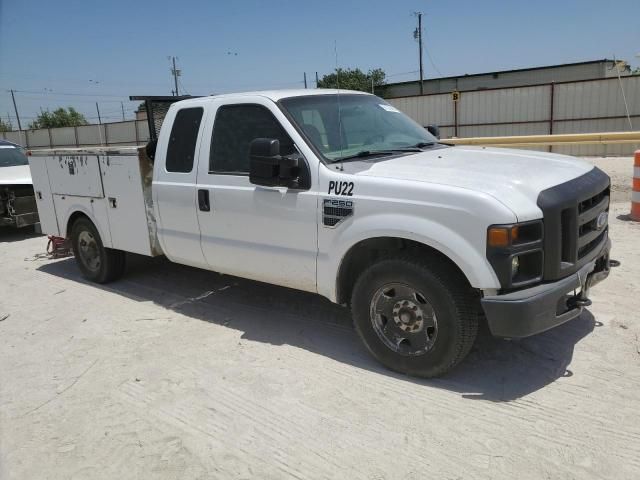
[[403, 319], [88, 251]]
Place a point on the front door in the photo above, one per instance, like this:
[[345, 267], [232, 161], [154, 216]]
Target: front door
[[263, 233]]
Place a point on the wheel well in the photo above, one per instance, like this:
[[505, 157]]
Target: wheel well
[[365, 253], [72, 219]]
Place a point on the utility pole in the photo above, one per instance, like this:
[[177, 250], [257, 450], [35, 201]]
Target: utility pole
[[176, 73], [16, 109], [316, 79], [100, 127], [122, 106], [305, 79], [417, 34]]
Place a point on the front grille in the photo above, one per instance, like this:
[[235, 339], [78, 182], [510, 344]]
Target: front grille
[[571, 211], [590, 234]]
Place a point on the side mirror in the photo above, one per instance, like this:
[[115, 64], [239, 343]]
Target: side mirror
[[434, 130], [270, 169]]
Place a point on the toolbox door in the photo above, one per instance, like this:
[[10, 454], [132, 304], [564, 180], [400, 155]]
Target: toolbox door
[[44, 198]]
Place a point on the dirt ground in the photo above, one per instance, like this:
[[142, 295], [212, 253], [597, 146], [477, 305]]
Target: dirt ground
[[177, 373]]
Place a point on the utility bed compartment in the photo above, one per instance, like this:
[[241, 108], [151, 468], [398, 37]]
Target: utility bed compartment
[[111, 185]]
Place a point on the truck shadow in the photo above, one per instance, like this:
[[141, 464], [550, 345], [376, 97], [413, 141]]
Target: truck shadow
[[11, 234], [495, 370]]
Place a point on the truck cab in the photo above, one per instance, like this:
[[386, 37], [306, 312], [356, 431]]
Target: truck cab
[[341, 194]]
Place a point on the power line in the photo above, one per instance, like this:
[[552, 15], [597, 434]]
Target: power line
[[182, 87], [401, 73], [69, 94], [429, 55], [67, 100]]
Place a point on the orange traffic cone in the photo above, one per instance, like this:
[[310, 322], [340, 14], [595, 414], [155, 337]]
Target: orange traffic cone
[[635, 193]]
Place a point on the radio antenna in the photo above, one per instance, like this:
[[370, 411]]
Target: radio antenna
[[335, 50]]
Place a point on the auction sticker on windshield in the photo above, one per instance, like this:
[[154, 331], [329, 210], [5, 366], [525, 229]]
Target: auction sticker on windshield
[[388, 108]]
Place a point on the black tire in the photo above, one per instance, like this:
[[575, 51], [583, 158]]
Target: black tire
[[443, 298], [110, 263]]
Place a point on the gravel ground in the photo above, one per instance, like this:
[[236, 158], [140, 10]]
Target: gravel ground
[[178, 373]]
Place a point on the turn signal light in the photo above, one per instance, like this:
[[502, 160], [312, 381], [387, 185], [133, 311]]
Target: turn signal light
[[502, 236], [498, 237]]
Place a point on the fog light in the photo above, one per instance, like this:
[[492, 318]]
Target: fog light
[[515, 266]]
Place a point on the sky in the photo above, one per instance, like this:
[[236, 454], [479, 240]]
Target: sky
[[74, 53]]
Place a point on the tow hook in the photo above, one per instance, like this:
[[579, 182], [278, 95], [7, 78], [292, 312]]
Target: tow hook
[[582, 302], [579, 300]]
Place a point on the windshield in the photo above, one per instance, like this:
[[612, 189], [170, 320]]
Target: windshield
[[12, 156], [365, 124]]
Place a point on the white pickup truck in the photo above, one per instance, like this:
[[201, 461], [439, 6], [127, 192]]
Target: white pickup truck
[[341, 194]]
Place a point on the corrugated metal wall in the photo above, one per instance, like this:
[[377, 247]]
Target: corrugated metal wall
[[134, 132], [570, 107]]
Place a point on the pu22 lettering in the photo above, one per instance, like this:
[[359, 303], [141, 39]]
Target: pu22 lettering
[[341, 188]]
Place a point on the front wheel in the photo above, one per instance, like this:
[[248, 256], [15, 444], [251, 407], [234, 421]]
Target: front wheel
[[97, 263], [416, 317]]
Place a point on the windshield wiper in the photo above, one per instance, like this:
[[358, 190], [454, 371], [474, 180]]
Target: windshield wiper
[[364, 154], [423, 144], [389, 151]]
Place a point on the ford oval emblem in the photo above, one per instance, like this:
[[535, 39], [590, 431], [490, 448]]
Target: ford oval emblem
[[601, 221]]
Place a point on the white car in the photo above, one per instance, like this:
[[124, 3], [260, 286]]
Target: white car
[[17, 202]]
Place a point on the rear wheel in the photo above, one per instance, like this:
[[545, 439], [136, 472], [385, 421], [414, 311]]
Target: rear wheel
[[97, 263], [415, 317]]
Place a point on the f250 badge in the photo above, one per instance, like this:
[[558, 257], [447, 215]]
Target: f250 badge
[[341, 188]]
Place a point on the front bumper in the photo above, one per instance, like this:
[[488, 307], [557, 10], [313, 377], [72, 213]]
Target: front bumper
[[534, 310], [19, 221]]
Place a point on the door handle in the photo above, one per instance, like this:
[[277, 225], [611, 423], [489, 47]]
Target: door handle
[[203, 200]]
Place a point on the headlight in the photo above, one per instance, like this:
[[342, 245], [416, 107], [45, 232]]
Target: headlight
[[515, 265], [515, 252]]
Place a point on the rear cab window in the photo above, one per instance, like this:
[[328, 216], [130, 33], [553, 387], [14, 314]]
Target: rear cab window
[[182, 141]]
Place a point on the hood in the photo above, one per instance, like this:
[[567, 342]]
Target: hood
[[19, 175], [514, 177]]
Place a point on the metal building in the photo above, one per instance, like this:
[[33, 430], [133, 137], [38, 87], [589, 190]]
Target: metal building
[[584, 106], [567, 72]]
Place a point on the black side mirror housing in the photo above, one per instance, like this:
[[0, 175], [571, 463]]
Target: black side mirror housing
[[264, 162], [270, 169], [434, 130]]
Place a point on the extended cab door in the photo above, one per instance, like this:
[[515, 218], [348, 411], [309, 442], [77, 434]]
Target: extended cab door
[[263, 233], [174, 185]]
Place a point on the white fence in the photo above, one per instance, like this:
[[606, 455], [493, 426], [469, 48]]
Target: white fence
[[569, 107], [133, 132]]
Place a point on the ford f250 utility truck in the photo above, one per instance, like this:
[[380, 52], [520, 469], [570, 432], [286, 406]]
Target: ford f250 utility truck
[[339, 193]]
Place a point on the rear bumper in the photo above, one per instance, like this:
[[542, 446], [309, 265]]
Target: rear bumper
[[534, 310]]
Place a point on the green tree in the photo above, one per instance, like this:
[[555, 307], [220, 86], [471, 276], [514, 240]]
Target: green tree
[[60, 117], [353, 79], [5, 126]]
